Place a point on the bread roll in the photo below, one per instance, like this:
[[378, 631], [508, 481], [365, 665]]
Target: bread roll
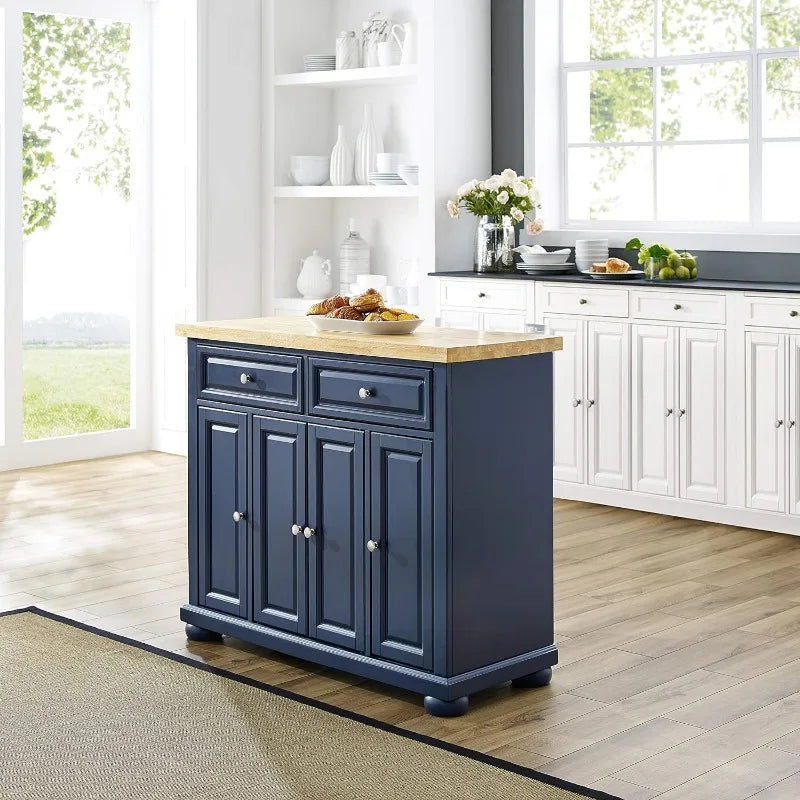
[[371, 300], [617, 265], [598, 267]]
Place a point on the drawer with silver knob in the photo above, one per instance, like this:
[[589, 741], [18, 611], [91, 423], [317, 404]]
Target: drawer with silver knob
[[593, 301], [687, 306], [241, 376], [371, 393], [773, 312]]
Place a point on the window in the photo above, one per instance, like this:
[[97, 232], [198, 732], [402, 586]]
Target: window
[[681, 113]]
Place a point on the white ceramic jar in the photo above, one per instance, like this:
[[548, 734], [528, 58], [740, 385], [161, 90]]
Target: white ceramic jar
[[348, 51], [314, 280]]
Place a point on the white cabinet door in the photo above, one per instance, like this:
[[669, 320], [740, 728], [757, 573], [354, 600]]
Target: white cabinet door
[[454, 318], [653, 409], [765, 419], [701, 414], [568, 400], [793, 423], [507, 323], [608, 404]]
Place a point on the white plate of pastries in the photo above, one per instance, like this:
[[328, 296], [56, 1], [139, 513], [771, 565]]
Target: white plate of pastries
[[614, 269], [362, 313]]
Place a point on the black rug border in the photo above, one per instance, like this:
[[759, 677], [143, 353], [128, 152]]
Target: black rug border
[[466, 752]]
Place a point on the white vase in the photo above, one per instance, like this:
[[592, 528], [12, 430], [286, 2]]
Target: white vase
[[368, 145], [341, 162]]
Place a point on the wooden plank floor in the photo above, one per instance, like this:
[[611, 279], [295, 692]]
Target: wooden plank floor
[[679, 640]]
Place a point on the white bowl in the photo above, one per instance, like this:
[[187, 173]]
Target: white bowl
[[310, 170], [410, 177], [543, 259]]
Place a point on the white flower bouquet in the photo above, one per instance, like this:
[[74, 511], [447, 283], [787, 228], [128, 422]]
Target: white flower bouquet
[[504, 195]]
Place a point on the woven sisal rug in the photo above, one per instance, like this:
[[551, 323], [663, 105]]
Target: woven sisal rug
[[86, 714]]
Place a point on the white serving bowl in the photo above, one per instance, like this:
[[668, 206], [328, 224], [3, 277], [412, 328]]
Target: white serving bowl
[[410, 177], [543, 259], [310, 170]]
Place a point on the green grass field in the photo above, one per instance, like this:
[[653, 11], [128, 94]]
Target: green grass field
[[69, 390]]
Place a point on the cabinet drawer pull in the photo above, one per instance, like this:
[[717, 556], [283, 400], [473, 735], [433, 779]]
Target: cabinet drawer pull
[[372, 546], [793, 313], [365, 394], [296, 530], [590, 403], [668, 412], [245, 378], [791, 423], [309, 532], [683, 412], [778, 423], [238, 516], [481, 295], [576, 403], [583, 301], [677, 306]]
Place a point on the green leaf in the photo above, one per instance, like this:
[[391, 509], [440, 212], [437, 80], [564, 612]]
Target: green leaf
[[634, 244], [657, 251]]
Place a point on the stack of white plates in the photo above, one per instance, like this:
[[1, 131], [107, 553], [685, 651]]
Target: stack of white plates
[[590, 251], [319, 63], [409, 173], [385, 179]]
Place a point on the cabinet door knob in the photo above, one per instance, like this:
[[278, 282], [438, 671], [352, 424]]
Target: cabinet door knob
[[791, 423], [245, 378], [365, 393], [296, 530], [590, 403], [793, 313], [668, 412], [309, 532], [238, 516], [778, 423], [677, 306], [372, 546], [576, 403], [481, 295], [683, 412], [583, 301]]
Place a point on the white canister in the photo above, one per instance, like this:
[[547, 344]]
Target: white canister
[[348, 51], [354, 258]]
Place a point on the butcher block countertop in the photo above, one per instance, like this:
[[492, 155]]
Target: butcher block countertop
[[438, 345]]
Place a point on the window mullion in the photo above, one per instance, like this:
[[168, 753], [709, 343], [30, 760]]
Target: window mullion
[[756, 83]]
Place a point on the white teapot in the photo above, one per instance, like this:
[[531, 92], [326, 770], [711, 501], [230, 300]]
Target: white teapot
[[314, 280]]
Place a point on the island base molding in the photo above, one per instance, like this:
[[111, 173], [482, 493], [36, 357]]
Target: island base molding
[[445, 689], [677, 507]]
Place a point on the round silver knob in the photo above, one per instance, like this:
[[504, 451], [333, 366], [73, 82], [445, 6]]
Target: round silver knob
[[576, 403], [309, 532], [372, 546], [481, 295], [683, 412], [791, 423], [590, 403], [778, 423], [296, 530], [365, 393], [583, 301], [668, 412], [245, 378], [238, 516], [793, 313], [677, 306]]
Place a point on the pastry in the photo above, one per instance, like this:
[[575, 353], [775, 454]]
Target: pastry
[[373, 317], [346, 312], [326, 306], [371, 300], [617, 265], [388, 316], [599, 267]]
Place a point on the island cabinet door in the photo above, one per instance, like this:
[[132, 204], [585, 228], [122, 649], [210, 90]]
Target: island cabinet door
[[400, 549], [653, 408], [608, 404], [222, 517], [336, 541], [569, 401], [765, 420], [279, 516], [701, 414]]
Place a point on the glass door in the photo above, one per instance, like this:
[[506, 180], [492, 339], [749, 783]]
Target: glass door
[[76, 253]]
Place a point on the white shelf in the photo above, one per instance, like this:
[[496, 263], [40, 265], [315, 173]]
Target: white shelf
[[333, 79], [347, 191]]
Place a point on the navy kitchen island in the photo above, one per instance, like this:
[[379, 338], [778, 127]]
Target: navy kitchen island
[[381, 505]]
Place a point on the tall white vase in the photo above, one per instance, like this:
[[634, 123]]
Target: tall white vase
[[368, 145], [341, 162]]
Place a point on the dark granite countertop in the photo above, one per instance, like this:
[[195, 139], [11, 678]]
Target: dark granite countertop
[[700, 283]]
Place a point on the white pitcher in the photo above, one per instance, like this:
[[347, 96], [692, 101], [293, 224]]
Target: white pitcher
[[314, 280], [408, 45]]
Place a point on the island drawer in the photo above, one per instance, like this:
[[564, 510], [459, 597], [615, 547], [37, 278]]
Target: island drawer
[[264, 379], [371, 393], [692, 306], [582, 300], [489, 293], [773, 312]]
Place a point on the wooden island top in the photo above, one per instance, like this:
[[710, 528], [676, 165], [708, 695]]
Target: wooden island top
[[438, 345]]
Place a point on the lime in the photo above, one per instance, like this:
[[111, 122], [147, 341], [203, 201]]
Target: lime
[[674, 260], [683, 273], [666, 274], [694, 272], [689, 261]]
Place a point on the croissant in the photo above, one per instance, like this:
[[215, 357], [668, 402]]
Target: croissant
[[371, 300], [326, 306], [617, 265], [346, 312]]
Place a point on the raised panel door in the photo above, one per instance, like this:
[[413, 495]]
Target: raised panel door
[[222, 492], [793, 424], [279, 504], [401, 533], [608, 404], [653, 409], [336, 543], [765, 414], [701, 413], [569, 417]]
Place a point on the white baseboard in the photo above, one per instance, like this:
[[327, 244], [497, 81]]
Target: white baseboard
[[173, 442], [676, 507]]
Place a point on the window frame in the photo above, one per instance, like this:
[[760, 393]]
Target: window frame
[[546, 75]]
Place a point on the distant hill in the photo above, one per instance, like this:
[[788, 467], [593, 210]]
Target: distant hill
[[77, 328]]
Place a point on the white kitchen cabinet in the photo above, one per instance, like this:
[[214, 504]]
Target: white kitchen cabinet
[[793, 428], [608, 404], [460, 318], [701, 414], [569, 406], [504, 323], [765, 420], [654, 408]]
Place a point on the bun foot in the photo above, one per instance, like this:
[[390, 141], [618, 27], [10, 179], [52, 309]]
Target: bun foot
[[444, 708], [201, 634], [534, 680]]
